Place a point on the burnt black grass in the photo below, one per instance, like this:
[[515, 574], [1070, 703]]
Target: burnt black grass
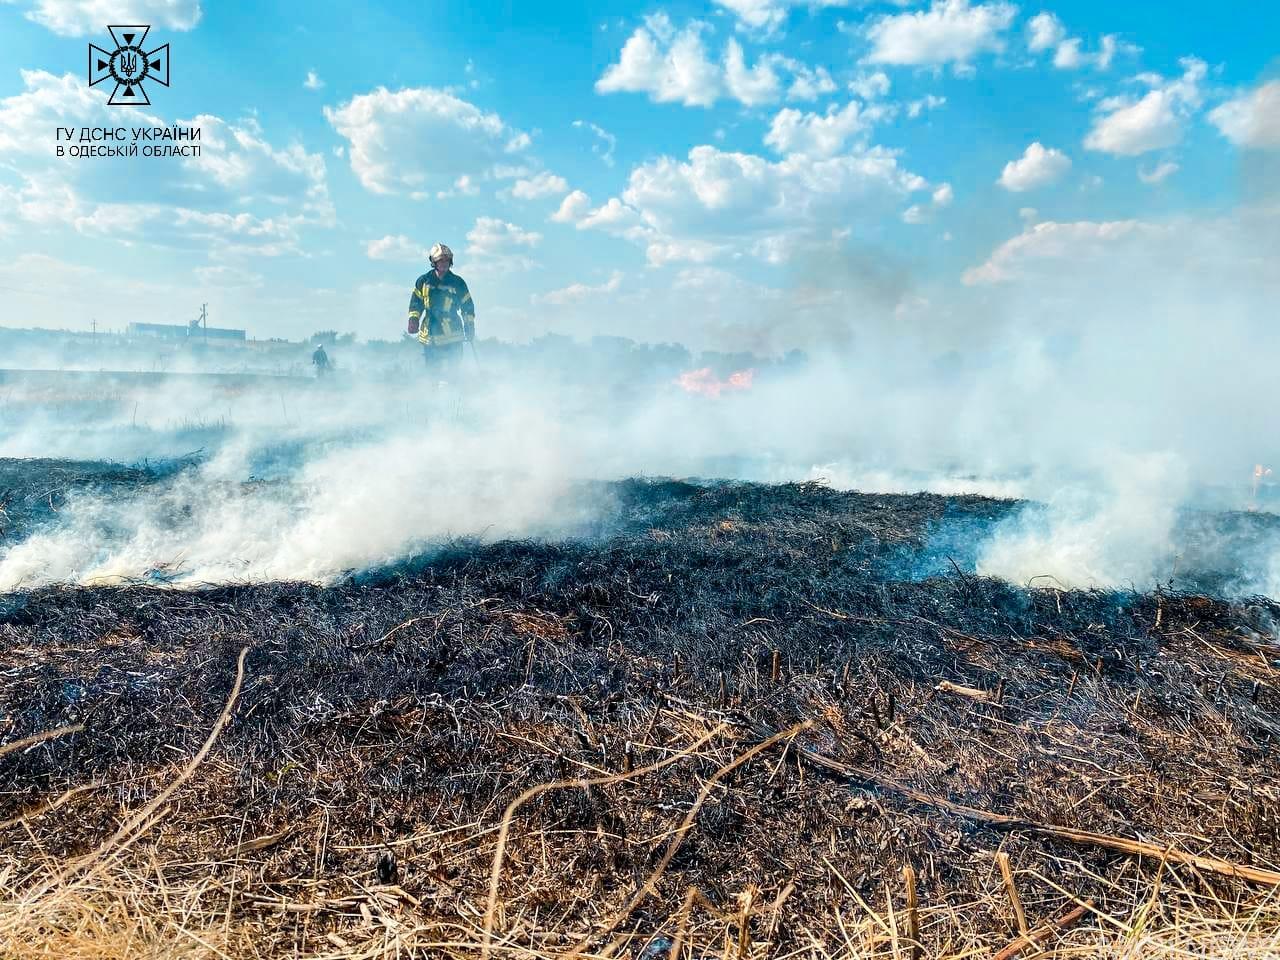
[[422, 698]]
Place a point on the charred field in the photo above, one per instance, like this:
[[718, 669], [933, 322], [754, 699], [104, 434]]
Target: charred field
[[738, 721]]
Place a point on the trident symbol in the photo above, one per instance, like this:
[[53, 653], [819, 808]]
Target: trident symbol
[[129, 64]]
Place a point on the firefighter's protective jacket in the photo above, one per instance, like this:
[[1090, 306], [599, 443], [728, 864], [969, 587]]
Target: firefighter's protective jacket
[[440, 309]]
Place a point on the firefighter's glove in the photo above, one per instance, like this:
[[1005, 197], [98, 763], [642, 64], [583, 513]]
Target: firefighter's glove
[[413, 324], [469, 329]]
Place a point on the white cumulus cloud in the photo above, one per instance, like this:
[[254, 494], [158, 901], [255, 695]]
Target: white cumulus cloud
[[1127, 127], [670, 66], [613, 217], [919, 213], [573, 208], [929, 101], [577, 292], [749, 85], [816, 134], [1158, 174], [494, 245], [721, 204], [870, 86], [1044, 30], [950, 31], [1051, 241], [1251, 119], [76, 18], [1069, 56], [405, 141], [398, 248], [1037, 167], [464, 186], [768, 15], [807, 83], [237, 157], [673, 66], [541, 185]]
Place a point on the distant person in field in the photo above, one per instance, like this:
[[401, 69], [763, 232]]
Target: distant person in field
[[320, 360], [441, 313]]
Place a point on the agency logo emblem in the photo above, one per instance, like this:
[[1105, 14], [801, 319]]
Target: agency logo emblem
[[129, 65]]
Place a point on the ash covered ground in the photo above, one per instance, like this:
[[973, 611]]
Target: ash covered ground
[[916, 714]]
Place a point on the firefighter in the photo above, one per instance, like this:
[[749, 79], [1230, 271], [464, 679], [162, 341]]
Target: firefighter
[[320, 360], [441, 312]]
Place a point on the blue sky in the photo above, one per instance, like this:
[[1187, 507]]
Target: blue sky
[[745, 173]]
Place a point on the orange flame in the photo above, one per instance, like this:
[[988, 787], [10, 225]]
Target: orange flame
[[706, 383]]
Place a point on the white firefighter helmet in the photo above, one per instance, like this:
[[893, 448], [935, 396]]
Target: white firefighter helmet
[[439, 252]]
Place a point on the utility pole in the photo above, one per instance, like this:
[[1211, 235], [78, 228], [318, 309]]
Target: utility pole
[[204, 321], [94, 324]]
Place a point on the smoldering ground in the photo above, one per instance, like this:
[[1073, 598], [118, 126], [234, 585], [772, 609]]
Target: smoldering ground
[[386, 721], [320, 480], [1117, 377]]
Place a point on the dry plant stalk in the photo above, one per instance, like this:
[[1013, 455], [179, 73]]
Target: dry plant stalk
[[1002, 860], [1038, 936], [59, 892], [913, 911], [47, 806], [504, 828], [1226, 868], [35, 738], [973, 693], [746, 899], [138, 824], [651, 884]]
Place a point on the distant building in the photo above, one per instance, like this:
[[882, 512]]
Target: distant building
[[182, 331], [218, 333], [163, 331]]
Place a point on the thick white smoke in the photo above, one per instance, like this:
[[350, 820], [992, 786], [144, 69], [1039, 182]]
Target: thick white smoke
[[1118, 533], [1113, 373], [343, 509]]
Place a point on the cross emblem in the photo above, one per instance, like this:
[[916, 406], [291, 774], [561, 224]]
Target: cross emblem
[[128, 65]]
